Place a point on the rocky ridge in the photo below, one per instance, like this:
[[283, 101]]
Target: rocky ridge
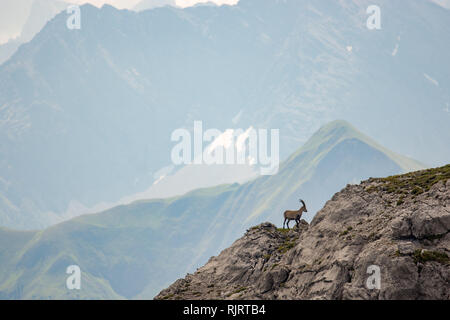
[[400, 224]]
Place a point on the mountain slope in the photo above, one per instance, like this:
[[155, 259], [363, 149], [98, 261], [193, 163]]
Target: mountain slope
[[40, 12], [100, 103], [132, 251], [381, 222]]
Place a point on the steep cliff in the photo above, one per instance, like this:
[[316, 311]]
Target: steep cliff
[[398, 224]]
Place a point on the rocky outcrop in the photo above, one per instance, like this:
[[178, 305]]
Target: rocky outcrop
[[397, 225]]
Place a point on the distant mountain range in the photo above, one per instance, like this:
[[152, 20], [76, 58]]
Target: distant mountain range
[[133, 251], [22, 20], [86, 115]]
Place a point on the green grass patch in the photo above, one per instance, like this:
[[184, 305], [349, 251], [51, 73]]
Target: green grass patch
[[414, 183], [168, 296], [345, 232], [371, 189], [286, 246], [281, 230], [423, 256]]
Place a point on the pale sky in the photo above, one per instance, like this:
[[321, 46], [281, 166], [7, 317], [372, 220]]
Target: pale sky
[[443, 3], [128, 4], [188, 3]]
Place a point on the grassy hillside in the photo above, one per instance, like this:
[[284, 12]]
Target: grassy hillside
[[120, 251], [132, 251]]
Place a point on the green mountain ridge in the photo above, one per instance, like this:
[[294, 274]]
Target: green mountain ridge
[[132, 251], [339, 130]]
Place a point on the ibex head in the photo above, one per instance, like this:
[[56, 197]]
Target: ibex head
[[304, 205]]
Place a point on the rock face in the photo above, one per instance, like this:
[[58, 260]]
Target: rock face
[[398, 224]]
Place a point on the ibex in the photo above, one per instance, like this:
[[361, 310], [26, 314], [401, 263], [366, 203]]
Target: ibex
[[294, 215]]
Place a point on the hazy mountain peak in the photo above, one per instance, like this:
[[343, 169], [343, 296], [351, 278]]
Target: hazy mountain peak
[[333, 133], [337, 129]]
